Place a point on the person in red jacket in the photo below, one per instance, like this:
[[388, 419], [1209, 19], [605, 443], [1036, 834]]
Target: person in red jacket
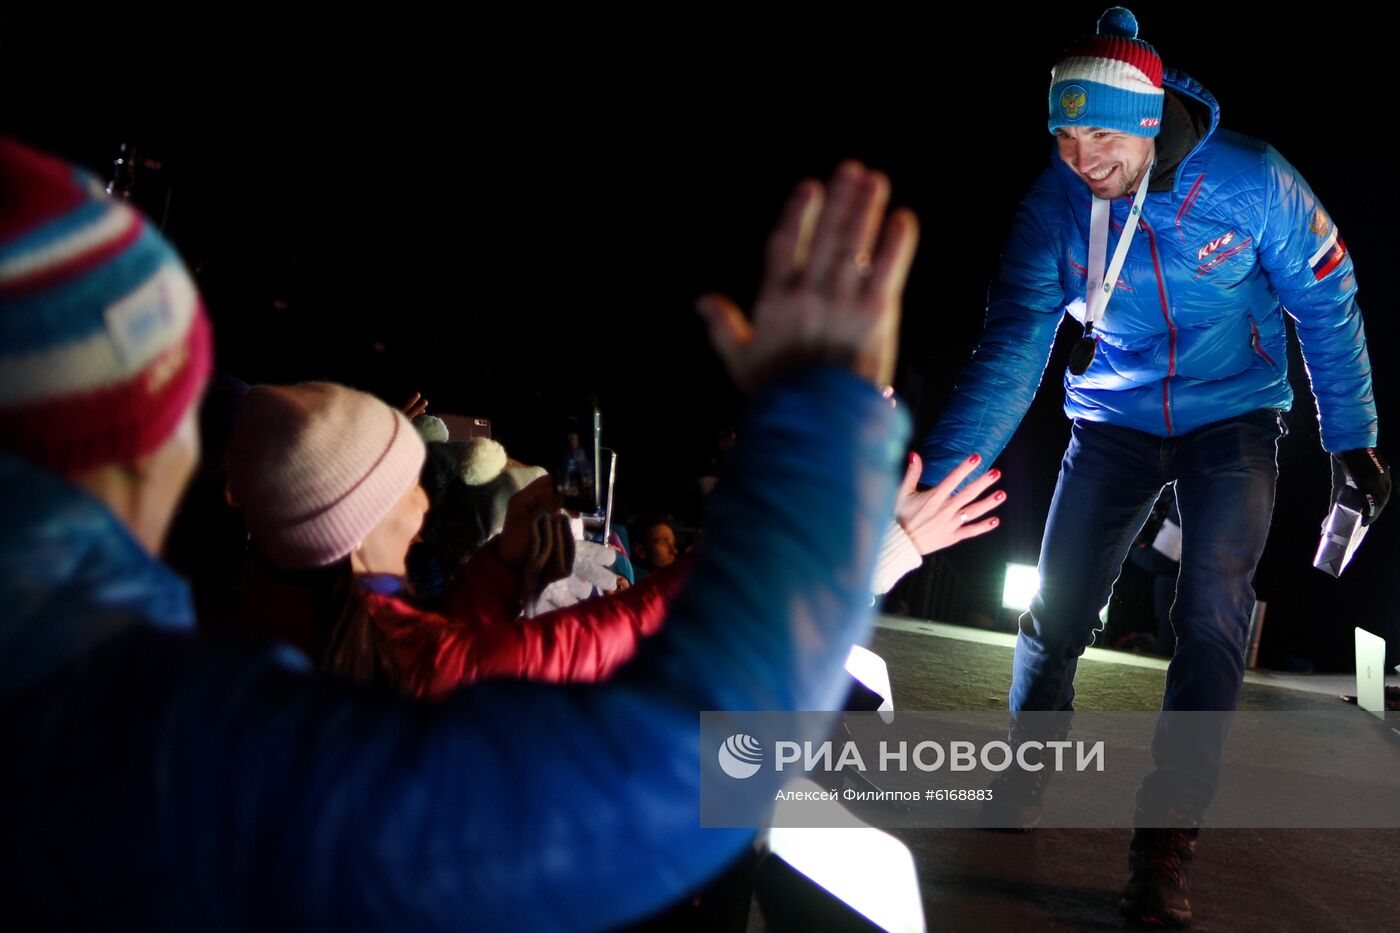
[[327, 480], [154, 778]]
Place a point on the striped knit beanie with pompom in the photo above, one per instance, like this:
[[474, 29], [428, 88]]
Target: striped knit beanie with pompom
[[104, 343], [1111, 80]]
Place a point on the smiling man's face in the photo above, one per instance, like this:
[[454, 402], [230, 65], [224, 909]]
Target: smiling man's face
[[1108, 161]]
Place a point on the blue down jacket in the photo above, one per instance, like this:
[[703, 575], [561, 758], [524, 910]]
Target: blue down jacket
[[152, 779], [1194, 332]]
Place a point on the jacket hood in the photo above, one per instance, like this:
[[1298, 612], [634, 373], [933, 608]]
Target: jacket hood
[[1196, 98]]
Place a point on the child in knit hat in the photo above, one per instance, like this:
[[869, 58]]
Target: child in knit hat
[[104, 344], [327, 479]]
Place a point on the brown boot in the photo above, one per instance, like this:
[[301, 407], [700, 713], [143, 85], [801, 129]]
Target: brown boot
[[1016, 795], [1156, 892], [1015, 801]]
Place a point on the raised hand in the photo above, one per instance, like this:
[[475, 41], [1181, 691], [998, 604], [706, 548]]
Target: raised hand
[[833, 278], [414, 407]]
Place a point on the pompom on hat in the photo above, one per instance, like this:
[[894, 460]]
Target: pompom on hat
[[431, 428], [1111, 79], [315, 467], [482, 461], [104, 343]]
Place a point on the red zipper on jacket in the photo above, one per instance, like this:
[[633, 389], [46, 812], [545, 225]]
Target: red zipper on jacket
[[1171, 328], [1254, 340]]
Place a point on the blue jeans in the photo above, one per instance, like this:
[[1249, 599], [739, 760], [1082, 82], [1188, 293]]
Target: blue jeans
[[1109, 479]]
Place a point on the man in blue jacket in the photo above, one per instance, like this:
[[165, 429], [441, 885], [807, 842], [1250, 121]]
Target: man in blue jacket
[[1179, 246], [154, 779]]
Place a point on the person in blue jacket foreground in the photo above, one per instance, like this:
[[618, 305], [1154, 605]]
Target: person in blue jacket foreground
[[155, 779], [1181, 376]]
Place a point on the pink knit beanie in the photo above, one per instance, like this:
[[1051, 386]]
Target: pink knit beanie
[[315, 467]]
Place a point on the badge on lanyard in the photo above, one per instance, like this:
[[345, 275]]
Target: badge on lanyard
[[1101, 283]]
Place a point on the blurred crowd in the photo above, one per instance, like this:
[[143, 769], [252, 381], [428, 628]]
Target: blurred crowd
[[289, 656]]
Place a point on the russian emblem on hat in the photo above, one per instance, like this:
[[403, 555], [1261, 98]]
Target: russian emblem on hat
[[1073, 102]]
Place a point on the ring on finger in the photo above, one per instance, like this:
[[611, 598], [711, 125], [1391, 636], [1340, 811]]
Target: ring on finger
[[860, 258]]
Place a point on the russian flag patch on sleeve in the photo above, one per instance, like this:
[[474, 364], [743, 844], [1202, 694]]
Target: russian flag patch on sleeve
[[1328, 256]]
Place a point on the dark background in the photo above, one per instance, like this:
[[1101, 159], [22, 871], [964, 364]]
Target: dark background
[[511, 213]]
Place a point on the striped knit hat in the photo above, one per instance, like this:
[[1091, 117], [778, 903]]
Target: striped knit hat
[[314, 467], [1111, 79], [104, 344]]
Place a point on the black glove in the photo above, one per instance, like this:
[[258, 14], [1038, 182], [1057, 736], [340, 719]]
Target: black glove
[[1361, 481]]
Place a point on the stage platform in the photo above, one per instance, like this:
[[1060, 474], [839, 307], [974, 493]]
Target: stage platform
[[1305, 880]]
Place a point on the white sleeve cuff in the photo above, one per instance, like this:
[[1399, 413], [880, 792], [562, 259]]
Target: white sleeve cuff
[[898, 556]]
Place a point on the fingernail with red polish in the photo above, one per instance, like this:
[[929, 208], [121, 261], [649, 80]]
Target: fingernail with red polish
[[999, 496], [911, 456], [975, 458], [995, 474], [995, 522]]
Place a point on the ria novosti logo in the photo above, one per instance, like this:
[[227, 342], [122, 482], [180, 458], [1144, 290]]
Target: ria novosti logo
[[741, 756]]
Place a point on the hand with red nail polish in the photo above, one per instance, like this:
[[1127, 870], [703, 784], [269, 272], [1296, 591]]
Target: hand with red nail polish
[[940, 517]]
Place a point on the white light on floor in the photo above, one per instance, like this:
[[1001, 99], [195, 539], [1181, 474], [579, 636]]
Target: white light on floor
[[1022, 583], [871, 670], [869, 870]]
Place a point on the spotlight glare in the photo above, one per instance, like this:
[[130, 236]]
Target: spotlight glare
[[1022, 583]]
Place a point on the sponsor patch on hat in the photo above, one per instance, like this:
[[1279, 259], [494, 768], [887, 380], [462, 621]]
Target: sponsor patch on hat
[[142, 323], [1074, 101]]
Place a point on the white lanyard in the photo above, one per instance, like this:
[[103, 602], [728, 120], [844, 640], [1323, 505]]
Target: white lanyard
[[1101, 285]]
